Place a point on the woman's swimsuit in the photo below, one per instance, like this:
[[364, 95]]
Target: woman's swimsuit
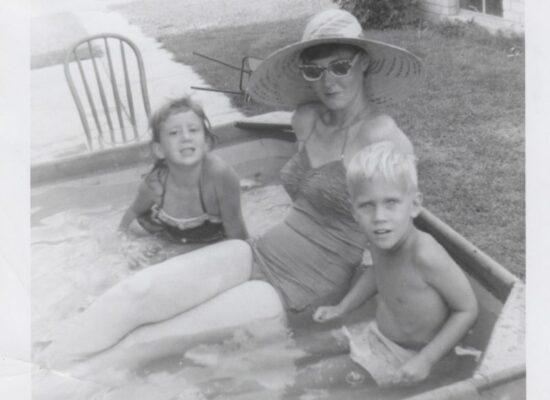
[[204, 228], [311, 257]]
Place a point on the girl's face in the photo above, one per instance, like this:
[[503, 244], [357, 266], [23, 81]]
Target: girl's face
[[182, 139], [338, 92]]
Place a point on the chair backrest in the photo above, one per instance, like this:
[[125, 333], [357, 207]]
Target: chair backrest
[[111, 73]]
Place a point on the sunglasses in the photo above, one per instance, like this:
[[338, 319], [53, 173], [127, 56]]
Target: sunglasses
[[337, 68]]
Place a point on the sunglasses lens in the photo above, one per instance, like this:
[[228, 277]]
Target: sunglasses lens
[[311, 72], [340, 68]]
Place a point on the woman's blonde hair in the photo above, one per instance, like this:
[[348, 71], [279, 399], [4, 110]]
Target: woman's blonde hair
[[382, 159]]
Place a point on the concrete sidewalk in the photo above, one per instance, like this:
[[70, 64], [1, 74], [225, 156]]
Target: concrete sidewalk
[[56, 130]]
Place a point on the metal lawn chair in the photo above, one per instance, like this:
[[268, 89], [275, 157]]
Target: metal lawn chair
[[109, 89], [248, 65]]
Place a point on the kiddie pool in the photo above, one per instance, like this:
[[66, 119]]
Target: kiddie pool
[[76, 205]]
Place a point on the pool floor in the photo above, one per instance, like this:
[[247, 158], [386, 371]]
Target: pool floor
[[76, 256]]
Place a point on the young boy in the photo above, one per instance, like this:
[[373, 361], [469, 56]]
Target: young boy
[[425, 303]]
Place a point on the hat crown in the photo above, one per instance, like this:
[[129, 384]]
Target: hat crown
[[333, 23]]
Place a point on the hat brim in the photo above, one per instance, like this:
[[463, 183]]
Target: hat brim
[[393, 73]]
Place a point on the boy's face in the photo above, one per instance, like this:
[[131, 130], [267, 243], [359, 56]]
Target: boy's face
[[385, 211]]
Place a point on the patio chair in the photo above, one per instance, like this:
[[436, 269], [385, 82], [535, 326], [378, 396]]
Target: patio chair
[[107, 69], [248, 65]]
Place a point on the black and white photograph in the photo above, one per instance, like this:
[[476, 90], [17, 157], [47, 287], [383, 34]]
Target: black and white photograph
[[277, 199]]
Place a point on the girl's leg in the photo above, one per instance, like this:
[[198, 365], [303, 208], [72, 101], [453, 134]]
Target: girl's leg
[[156, 294], [215, 319]]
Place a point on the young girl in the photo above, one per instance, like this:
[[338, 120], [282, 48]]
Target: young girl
[[190, 195]]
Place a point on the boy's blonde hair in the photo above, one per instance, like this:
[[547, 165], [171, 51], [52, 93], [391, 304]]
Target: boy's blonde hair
[[382, 159]]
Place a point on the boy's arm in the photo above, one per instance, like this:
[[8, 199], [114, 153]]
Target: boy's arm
[[446, 277], [362, 290], [142, 203]]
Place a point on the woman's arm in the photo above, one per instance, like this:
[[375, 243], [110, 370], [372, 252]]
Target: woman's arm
[[143, 201]]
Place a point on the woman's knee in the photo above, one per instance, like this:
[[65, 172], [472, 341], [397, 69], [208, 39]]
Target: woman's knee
[[239, 247], [265, 297], [239, 256]]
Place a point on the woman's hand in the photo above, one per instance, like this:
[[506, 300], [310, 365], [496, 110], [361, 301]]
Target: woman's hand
[[415, 370], [327, 313]]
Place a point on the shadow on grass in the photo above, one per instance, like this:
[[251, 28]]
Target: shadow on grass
[[467, 123]]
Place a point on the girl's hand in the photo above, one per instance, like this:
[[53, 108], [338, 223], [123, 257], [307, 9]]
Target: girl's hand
[[415, 370], [326, 313]]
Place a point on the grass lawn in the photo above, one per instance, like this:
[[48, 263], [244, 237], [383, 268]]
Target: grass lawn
[[467, 123]]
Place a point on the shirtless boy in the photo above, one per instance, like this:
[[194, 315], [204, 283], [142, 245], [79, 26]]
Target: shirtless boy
[[425, 303]]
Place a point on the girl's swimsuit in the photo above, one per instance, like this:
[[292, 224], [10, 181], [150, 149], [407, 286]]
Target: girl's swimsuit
[[311, 257], [204, 228]]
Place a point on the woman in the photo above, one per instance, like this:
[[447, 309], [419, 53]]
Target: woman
[[334, 77]]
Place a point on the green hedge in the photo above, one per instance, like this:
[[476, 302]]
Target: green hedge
[[382, 14]]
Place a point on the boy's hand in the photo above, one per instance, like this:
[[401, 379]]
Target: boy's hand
[[415, 370], [326, 313]]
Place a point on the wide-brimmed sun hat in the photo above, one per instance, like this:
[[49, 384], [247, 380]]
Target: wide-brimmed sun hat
[[392, 75]]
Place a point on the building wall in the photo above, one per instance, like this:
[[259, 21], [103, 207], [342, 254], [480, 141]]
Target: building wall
[[512, 10], [440, 7]]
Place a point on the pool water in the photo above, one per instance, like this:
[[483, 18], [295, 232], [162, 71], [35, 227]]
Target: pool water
[[77, 255]]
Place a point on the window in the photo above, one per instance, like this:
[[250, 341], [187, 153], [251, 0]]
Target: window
[[491, 7]]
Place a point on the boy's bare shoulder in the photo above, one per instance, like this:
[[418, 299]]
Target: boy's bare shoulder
[[431, 257]]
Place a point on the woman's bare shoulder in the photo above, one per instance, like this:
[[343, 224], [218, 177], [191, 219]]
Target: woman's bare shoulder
[[382, 127], [304, 118]]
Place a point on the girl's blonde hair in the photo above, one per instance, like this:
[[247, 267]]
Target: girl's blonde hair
[[382, 159]]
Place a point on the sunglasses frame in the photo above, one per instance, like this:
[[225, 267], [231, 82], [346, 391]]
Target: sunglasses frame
[[329, 68]]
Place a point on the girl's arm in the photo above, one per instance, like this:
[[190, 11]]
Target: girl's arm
[[143, 202], [228, 193]]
